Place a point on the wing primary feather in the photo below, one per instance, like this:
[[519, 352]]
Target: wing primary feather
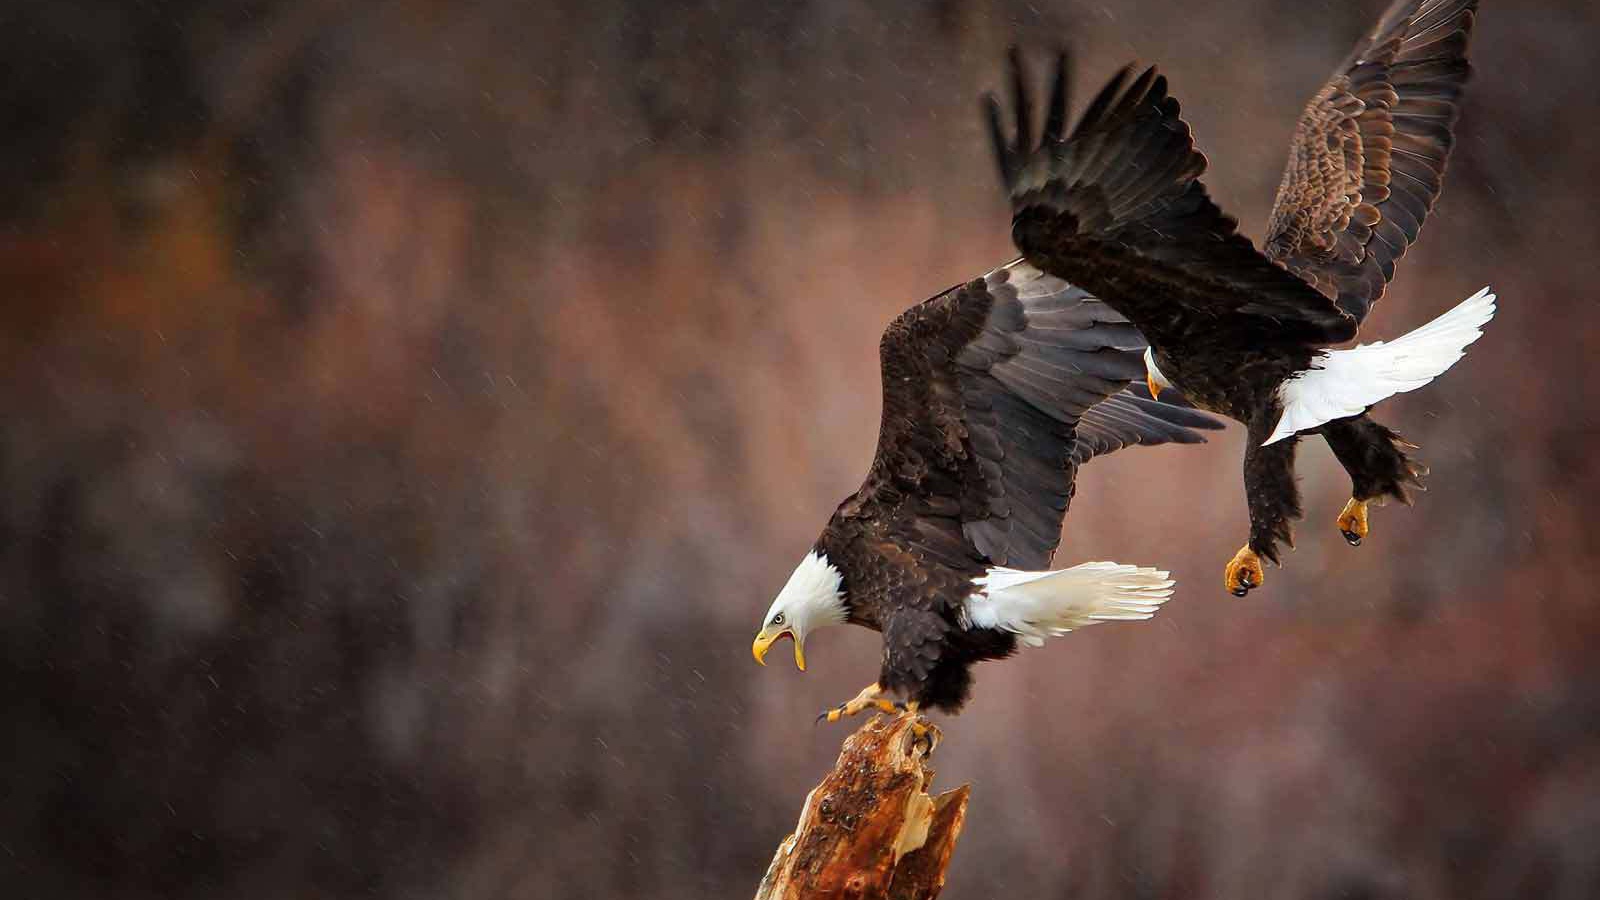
[[1020, 100], [1097, 107], [997, 137], [1055, 122]]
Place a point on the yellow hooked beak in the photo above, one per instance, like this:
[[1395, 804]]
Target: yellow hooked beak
[[1150, 381], [766, 639]]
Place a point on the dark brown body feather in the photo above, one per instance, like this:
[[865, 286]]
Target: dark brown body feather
[[1118, 207], [994, 392]]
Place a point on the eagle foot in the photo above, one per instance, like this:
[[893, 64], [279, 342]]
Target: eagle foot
[[924, 734], [1352, 521], [1244, 572], [871, 697]]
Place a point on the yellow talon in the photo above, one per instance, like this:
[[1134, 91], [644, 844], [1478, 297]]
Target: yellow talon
[[924, 734], [871, 697], [1352, 521], [1244, 572]]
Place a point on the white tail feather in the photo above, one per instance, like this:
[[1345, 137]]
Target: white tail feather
[[1037, 605], [1345, 382]]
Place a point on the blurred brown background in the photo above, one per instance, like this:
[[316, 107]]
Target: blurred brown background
[[410, 409]]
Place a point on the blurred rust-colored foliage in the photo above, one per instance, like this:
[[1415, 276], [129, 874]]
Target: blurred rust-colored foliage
[[410, 408]]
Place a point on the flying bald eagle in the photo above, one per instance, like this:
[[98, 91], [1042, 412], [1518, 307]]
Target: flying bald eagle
[[994, 393], [1118, 208]]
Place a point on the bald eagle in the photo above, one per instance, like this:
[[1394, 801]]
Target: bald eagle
[[994, 393], [1118, 208]]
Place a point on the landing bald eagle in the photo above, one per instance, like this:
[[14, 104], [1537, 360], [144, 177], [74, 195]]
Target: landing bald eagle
[[994, 393], [1118, 207]]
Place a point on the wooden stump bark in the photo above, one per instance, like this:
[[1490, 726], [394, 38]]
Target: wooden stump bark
[[870, 830]]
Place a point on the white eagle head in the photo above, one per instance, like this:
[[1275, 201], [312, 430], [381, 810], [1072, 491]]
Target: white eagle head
[[814, 597], [1152, 374]]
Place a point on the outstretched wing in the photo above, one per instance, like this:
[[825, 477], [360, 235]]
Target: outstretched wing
[[1118, 208], [1369, 153], [993, 393]]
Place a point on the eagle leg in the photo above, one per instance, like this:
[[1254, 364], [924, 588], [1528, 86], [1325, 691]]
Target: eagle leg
[[871, 697], [1274, 503], [1376, 460], [1352, 521], [1243, 573]]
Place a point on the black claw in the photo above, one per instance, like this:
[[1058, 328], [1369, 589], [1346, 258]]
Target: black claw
[[1246, 582], [823, 717], [1350, 536]]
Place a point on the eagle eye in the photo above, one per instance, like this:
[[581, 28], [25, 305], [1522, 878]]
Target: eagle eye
[[777, 619]]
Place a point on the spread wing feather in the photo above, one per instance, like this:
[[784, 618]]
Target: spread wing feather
[[994, 393], [1118, 207], [1131, 417], [1369, 153]]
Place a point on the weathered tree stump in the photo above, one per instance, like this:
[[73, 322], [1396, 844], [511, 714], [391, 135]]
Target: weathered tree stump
[[870, 830]]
